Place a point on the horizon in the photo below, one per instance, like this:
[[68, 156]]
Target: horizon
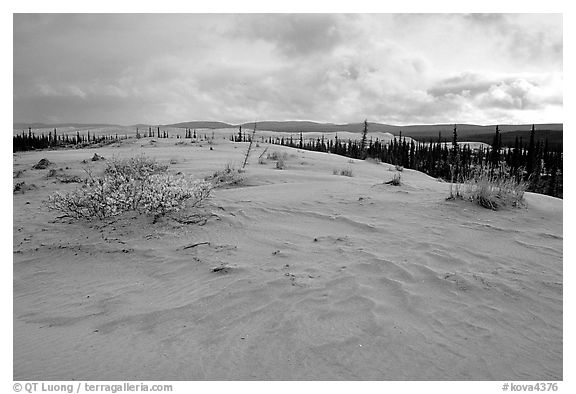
[[281, 121], [397, 69]]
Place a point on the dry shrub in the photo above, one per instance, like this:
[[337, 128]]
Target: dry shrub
[[343, 172], [140, 167], [52, 173], [229, 176], [280, 163], [23, 187], [97, 157], [65, 178], [494, 188], [280, 159], [396, 180], [136, 184], [42, 164]]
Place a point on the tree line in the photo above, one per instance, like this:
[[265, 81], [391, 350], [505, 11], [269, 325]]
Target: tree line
[[32, 141], [536, 163]]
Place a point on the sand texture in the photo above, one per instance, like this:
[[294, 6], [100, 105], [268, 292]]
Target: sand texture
[[299, 275]]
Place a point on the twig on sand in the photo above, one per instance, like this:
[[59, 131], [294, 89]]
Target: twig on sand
[[264, 152], [249, 147], [196, 244], [200, 220]]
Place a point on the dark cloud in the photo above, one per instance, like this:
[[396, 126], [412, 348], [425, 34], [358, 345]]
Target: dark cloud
[[295, 34]]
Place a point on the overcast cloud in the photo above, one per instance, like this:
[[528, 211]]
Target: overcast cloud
[[399, 69]]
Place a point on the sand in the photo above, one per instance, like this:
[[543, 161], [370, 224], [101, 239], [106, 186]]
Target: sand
[[323, 277]]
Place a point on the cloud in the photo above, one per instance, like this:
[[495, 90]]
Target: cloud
[[535, 91], [295, 34], [326, 67]]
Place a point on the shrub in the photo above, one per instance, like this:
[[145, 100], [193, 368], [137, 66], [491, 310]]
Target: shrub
[[51, 173], [165, 194], [229, 176], [343, 172], [396, 180], [22, 187], [65, 178], [494, 188], [130, 185], [140, 167], [42, 164], [280, 163], [279, 157]]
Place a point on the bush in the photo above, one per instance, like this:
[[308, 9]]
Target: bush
[[280, 163], [343, 172], [396, 180], [494, 188], [229, 176], [140, 167], [279, 157], [42, 164], [130, 185], [165, 194], [22, 187]]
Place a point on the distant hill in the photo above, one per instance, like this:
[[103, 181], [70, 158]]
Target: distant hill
[[554, 137], [202, 125], [425, 131], [466, 130]]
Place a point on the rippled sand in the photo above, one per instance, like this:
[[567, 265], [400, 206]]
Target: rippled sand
[[325, 278]]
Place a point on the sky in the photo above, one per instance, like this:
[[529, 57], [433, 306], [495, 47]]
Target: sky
[[390, 68]]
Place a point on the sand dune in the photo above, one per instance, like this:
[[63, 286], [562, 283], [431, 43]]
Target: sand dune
[[323, 277]]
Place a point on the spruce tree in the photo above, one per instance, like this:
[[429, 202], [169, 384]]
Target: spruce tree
[[364, 137]]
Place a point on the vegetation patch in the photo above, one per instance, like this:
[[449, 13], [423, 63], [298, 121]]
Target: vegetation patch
[[229, 176], [136, 184], [42, 164], [494, 189], [22, 187], [343, 172], [396, 180]]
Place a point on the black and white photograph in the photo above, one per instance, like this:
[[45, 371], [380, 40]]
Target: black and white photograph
[[287, 197]]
